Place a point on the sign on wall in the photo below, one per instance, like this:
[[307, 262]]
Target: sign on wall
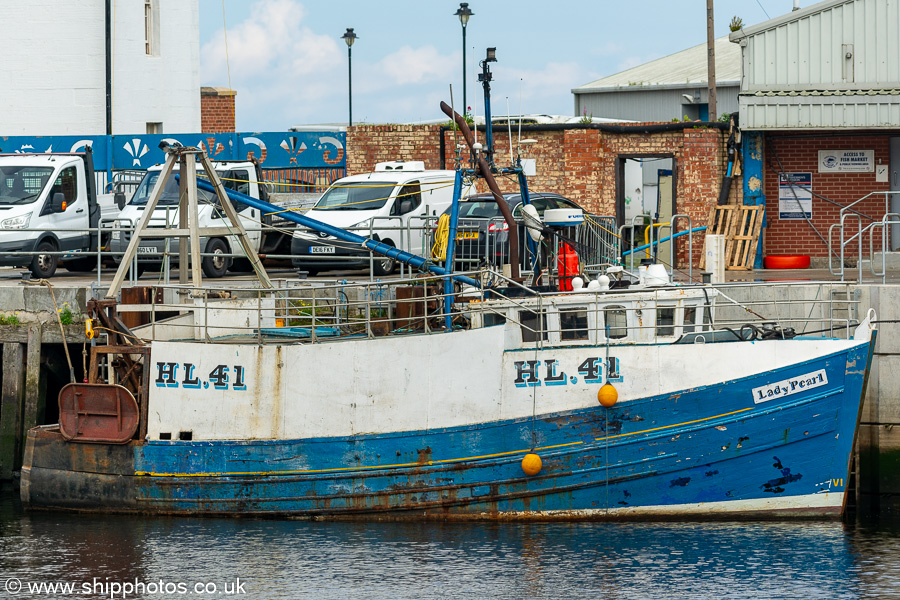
[[846, 161], [795, 196]]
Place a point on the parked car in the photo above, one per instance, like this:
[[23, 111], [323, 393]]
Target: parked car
[[482, 236]]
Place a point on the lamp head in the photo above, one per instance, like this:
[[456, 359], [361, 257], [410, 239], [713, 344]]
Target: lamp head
[[349, 37], [464, 12]]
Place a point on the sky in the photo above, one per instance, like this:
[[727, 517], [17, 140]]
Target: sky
[[288, 63]]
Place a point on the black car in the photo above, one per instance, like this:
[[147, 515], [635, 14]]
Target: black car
[[482, 236]]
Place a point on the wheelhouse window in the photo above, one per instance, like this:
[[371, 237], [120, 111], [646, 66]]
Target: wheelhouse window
[[690, 320], [616, 320], [533, 325], [573, 324], [665, 321]]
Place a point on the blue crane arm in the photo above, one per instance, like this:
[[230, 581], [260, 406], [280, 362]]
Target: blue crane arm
[[412, 260]]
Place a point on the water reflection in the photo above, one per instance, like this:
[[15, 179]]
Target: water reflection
[[298, 559]]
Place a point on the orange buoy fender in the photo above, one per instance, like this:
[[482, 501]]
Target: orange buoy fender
[[607, 395], [531, 464]]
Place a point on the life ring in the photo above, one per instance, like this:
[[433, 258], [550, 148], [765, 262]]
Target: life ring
[[787, 261]]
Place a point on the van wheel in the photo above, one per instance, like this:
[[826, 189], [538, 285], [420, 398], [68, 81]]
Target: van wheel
[[43, 266], [215, 266], [383, 265]]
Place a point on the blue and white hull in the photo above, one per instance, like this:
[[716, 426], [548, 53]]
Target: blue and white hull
[[766, 430]]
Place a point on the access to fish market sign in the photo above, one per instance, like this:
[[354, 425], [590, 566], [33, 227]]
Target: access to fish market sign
[[846, 161], [795, 196]]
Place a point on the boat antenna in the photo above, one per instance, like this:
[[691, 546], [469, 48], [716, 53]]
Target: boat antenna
[[519, 141], [512, 161]]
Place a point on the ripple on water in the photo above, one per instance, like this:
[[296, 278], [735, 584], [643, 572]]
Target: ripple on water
[[298, 559]]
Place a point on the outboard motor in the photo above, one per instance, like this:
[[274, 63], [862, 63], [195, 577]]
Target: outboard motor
[[558, 224]]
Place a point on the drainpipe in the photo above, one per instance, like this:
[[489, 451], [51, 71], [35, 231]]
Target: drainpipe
[[108, 67]]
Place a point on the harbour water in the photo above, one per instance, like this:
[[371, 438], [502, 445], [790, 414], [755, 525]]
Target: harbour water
[[102, 556]]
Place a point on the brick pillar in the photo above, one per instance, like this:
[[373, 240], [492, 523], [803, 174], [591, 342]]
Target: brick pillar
[[217, 109]]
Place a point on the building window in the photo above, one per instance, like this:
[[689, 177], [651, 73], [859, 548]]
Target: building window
[[154, 128], [151, 28]]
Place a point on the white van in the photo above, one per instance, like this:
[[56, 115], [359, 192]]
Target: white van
[[49, 205], [394, 205]]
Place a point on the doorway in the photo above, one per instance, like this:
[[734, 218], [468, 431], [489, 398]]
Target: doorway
[[644, 196]]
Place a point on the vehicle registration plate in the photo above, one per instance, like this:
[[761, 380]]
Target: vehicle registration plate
[[321, 249], [146, 250], [467, 235]]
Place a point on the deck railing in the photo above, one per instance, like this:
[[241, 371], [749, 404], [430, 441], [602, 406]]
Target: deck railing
[[313, 312]]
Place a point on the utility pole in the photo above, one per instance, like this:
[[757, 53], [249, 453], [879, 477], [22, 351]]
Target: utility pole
[[711, 59]]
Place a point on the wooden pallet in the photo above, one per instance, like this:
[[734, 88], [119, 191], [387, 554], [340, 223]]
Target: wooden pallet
[[740, 224]]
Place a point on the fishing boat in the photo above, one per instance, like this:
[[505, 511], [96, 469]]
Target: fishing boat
[[457, 396]]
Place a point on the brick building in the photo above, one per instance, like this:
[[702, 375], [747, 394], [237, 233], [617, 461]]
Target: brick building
[[820, 110], [584, 162]]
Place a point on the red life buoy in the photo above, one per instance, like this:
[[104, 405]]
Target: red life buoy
[[786, 261]]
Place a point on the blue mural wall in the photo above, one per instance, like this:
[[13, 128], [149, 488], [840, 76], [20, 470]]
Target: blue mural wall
[[274, 150]]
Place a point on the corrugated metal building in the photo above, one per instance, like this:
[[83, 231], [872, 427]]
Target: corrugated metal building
[[820, 108], [672, 87]]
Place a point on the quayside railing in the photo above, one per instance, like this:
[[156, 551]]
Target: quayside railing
[[847, 235]]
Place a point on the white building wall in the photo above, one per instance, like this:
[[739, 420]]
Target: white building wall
[[53, 68]]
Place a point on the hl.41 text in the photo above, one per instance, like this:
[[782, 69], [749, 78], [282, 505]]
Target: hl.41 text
[[532, 373], [173, 375]]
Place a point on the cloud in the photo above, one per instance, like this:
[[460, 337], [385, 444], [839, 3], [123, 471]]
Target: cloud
[[284, 72], [417, 65], [271, 45], [544, 90]]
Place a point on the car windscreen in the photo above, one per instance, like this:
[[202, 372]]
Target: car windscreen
[[169, 195], [357, 195], [22, 185], [484, 209]]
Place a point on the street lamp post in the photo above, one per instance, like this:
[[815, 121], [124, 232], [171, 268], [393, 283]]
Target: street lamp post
[[464, 12], [349, 37]]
